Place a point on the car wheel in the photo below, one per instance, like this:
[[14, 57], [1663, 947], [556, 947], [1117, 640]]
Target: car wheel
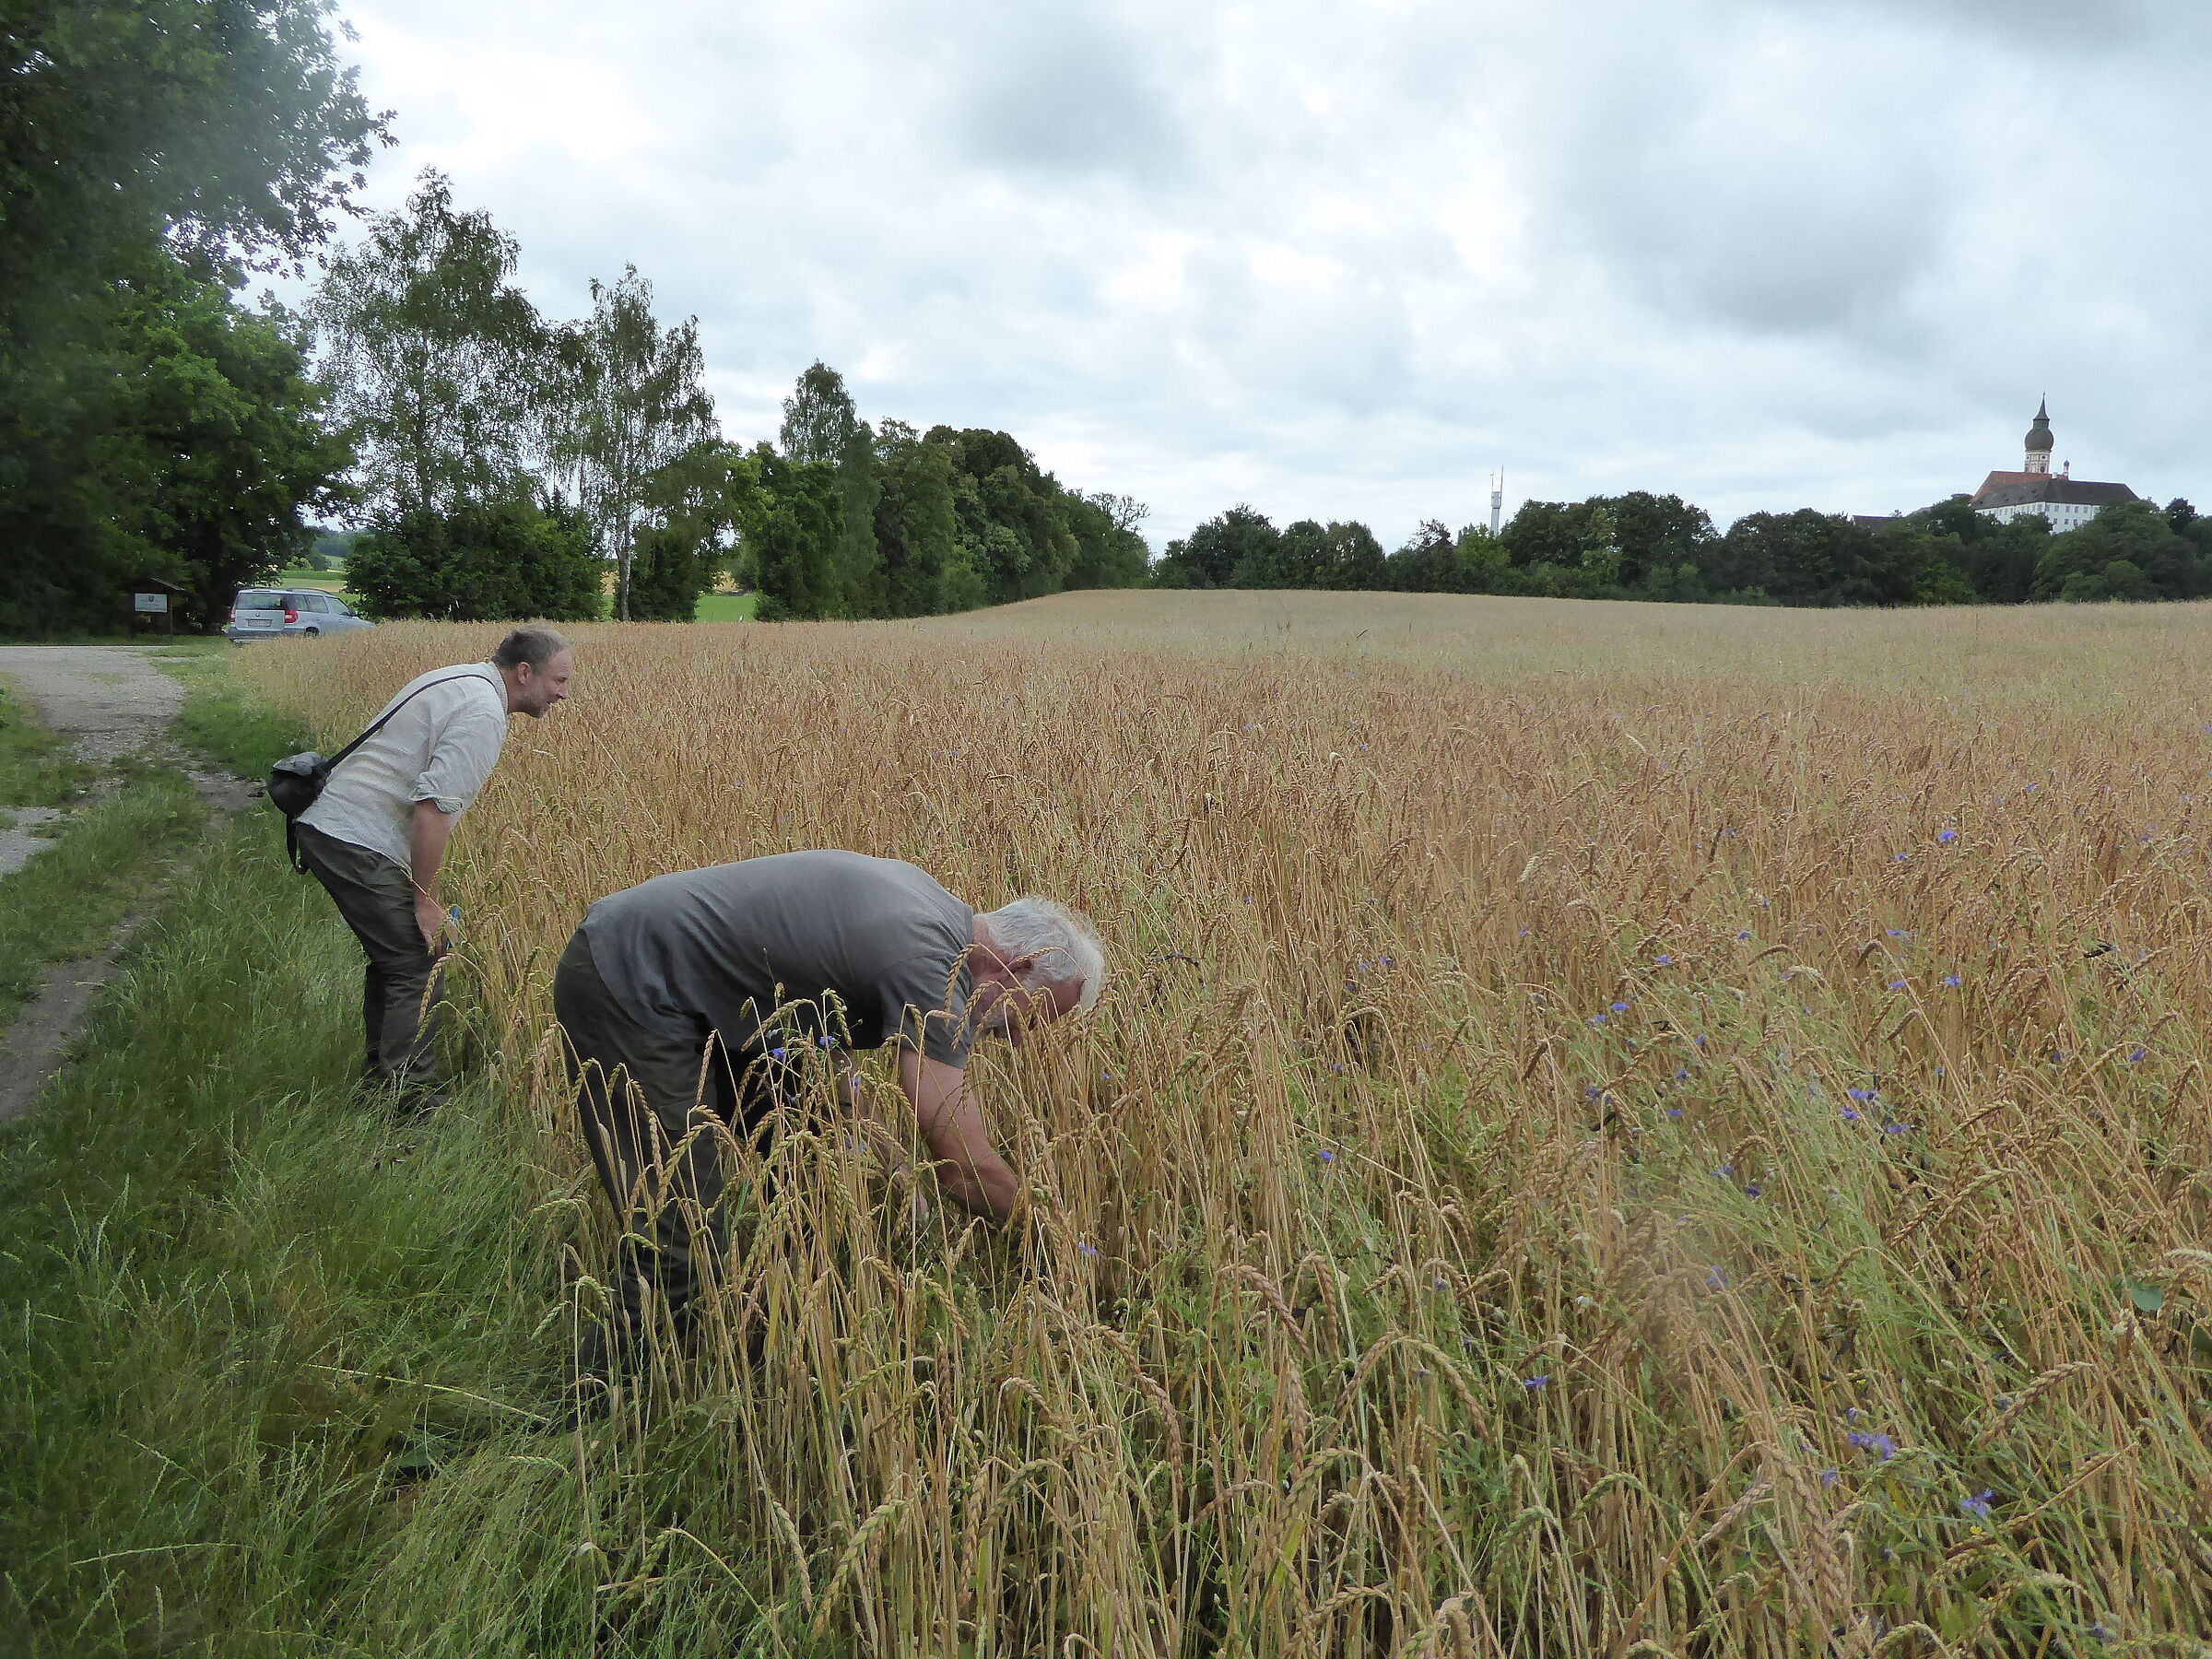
[[311, 633]]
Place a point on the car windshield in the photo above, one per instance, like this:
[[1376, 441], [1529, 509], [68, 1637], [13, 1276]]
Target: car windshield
[[253, 601]]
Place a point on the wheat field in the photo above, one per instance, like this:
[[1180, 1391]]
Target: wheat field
[[1614, 1130]]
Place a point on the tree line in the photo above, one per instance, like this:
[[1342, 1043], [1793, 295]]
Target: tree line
[[156, 157], [502, 458], [1641, 546]]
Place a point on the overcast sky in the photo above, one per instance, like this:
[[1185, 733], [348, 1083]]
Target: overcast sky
[[1342, 259]]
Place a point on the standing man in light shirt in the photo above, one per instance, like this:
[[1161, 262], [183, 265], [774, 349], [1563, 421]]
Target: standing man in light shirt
[[376, 836]]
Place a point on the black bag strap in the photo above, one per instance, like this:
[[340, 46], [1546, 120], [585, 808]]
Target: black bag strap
[[378, 725]]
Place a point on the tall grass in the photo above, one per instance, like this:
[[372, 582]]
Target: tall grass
[[1672, 1157]]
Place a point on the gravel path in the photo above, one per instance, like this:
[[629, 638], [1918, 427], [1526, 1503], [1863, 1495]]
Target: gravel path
[[108, 697], [110, 702]]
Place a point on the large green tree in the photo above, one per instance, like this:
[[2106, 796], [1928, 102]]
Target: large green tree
[[792, 525], [917, 529], [500, 559], [630, 404], [438, 359], [696, 502], [1243, 540], [143, 147]]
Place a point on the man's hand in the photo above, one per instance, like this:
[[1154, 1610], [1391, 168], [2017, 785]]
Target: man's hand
[[973, 1174], [429, 916]]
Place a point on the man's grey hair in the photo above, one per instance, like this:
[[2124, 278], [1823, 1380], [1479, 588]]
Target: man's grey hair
[[1061, 944], [533, 645]]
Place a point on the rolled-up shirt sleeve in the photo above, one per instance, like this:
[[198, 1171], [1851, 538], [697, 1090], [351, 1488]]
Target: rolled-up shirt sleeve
[[462, 756]]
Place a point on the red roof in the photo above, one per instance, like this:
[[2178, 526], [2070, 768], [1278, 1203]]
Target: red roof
[[1997, 478]]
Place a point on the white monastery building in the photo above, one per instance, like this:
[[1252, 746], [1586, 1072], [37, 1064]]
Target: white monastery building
[[2068, 501]]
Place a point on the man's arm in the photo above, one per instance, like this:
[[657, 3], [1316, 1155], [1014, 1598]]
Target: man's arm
[[972, 1173], [426, 850]]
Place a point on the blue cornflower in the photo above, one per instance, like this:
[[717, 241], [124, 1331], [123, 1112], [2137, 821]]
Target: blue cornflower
[[1850, 1116], [1900, 858], [1597, 1019], [1327, 1156], [1089, 1250], [1978, 1505], [1674, 1112], [1537, 1385], [1750, 1192], [1742, 936], [1665, 962], [1897, 933], [1620, 1007], [2138, 1055], [1829, 1478], [1897, 1128], [1860, 1094], [1953, 981], [776, 1053], [1947, 835], [1897, 984], [1725, 1170], [1715, 1279]]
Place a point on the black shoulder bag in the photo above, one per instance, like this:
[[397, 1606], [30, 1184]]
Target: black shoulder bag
[[297, 781]]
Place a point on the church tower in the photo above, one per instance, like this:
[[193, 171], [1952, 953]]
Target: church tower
[[2039, 440]]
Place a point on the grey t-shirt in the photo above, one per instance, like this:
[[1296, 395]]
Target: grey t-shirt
[[872, 950]]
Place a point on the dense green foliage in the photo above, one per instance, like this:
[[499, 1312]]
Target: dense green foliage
[[901, 523], [468, 408], [479, 562], [1644, 546], [149, 154]]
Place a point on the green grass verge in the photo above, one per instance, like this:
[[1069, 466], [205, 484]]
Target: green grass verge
[[36, 767], [277, 1368], [225, 724], [253, 1322], [726, 608], [65, 902]]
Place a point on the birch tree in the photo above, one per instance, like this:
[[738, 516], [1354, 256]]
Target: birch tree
[[629, 405], [437, 359]]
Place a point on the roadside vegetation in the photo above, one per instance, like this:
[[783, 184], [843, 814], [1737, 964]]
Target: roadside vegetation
[[115, 831], [37, 768]]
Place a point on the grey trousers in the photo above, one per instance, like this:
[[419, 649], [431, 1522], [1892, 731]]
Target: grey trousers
[[399, 990], [655, 1112]]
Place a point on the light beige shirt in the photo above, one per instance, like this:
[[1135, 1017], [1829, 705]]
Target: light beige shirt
[[439, 747]]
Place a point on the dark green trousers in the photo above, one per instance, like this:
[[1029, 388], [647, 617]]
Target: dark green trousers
[[655, 1113], [399, 990]]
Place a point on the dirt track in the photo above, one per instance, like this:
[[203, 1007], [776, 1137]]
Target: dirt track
[[110, 702]]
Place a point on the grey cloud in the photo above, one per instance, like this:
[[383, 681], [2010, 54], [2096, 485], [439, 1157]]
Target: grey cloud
[[1342, 260], [1052, 90]]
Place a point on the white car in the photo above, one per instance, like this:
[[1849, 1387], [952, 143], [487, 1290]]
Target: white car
[[268, 613]]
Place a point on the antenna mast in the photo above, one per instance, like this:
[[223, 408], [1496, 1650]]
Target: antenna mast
[[1497, 498]]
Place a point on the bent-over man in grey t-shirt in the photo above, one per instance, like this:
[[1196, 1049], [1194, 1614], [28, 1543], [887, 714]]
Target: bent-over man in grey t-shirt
[[716, 973]]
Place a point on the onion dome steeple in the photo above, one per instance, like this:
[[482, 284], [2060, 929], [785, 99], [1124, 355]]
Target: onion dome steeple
[[2039, 443]]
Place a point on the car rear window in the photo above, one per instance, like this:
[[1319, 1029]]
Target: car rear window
[[249, 600]]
